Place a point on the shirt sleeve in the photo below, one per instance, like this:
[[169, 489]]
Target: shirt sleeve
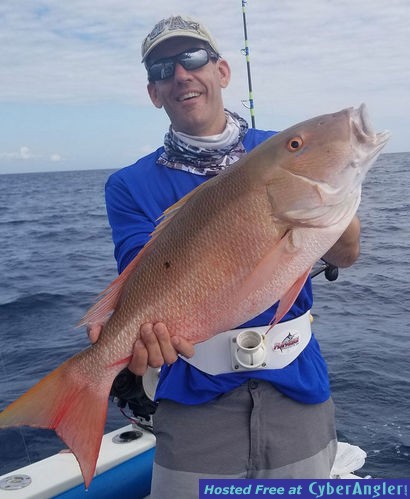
[[131, 225]]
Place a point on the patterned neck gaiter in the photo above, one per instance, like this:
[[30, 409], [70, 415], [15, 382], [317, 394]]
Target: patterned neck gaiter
[[205, 155]]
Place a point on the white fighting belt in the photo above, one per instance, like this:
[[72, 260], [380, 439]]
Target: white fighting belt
[[254, 348]]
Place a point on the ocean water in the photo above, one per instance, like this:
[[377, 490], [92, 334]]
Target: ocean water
[[57, 255]]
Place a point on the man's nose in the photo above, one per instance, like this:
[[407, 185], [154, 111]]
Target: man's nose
[[181, 73]]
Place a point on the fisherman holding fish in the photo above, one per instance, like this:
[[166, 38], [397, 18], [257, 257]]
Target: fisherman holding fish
[[215, 236], [262, 423]]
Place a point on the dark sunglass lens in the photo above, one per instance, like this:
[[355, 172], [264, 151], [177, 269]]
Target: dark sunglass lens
[[168, 69], [194, 59], [161, 70], [154, 72]]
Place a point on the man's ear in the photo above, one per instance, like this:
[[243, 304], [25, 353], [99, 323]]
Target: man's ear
[[224, 73], [152, 91]]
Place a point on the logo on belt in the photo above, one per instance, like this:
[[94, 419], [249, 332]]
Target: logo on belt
[[291, 340]]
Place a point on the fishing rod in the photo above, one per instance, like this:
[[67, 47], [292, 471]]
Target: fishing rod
[[245, 51]]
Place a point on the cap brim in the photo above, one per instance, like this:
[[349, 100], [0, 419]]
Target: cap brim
[[168, 36]]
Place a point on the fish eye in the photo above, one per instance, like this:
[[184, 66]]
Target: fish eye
[[295, 143]]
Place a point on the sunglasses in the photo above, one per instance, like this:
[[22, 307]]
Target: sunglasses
[[189, 59]]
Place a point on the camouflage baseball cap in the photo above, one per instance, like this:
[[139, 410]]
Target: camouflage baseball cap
[[172, 27]]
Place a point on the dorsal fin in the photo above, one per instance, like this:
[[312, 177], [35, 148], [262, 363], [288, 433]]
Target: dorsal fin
[[101, 311]]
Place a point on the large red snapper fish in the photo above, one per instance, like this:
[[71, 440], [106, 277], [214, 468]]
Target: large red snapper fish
[[223, 254]]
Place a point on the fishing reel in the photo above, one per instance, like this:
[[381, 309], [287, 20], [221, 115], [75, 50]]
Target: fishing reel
[[128, 389], [331, 272]]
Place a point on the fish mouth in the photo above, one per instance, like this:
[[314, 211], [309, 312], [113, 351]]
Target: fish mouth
[[364, 131]]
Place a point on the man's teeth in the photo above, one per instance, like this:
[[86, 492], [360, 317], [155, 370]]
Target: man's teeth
[[190, 95]]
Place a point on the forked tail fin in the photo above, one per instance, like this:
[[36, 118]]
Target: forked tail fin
[[72, 405]]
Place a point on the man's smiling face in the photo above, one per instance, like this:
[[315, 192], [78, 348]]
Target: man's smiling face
[[191, 98]]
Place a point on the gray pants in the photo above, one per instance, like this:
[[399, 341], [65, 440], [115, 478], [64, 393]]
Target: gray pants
[[251, 432]]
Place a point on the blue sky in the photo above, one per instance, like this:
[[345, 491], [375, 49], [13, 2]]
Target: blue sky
[[73, 91]]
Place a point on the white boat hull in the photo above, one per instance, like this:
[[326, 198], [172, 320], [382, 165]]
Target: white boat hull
[[121, 467]]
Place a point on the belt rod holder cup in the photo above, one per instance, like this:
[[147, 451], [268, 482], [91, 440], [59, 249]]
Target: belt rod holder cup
[[248, 351]]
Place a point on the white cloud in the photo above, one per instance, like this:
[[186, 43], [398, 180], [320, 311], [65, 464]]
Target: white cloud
[[56, 157], [23, 153]]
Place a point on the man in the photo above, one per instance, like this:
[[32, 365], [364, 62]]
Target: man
[[270, 423]]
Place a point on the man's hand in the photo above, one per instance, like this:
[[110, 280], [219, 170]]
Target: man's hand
[[154, 348]]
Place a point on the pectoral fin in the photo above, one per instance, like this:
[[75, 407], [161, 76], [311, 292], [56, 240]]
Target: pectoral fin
[[281, 254], [289, 298]]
